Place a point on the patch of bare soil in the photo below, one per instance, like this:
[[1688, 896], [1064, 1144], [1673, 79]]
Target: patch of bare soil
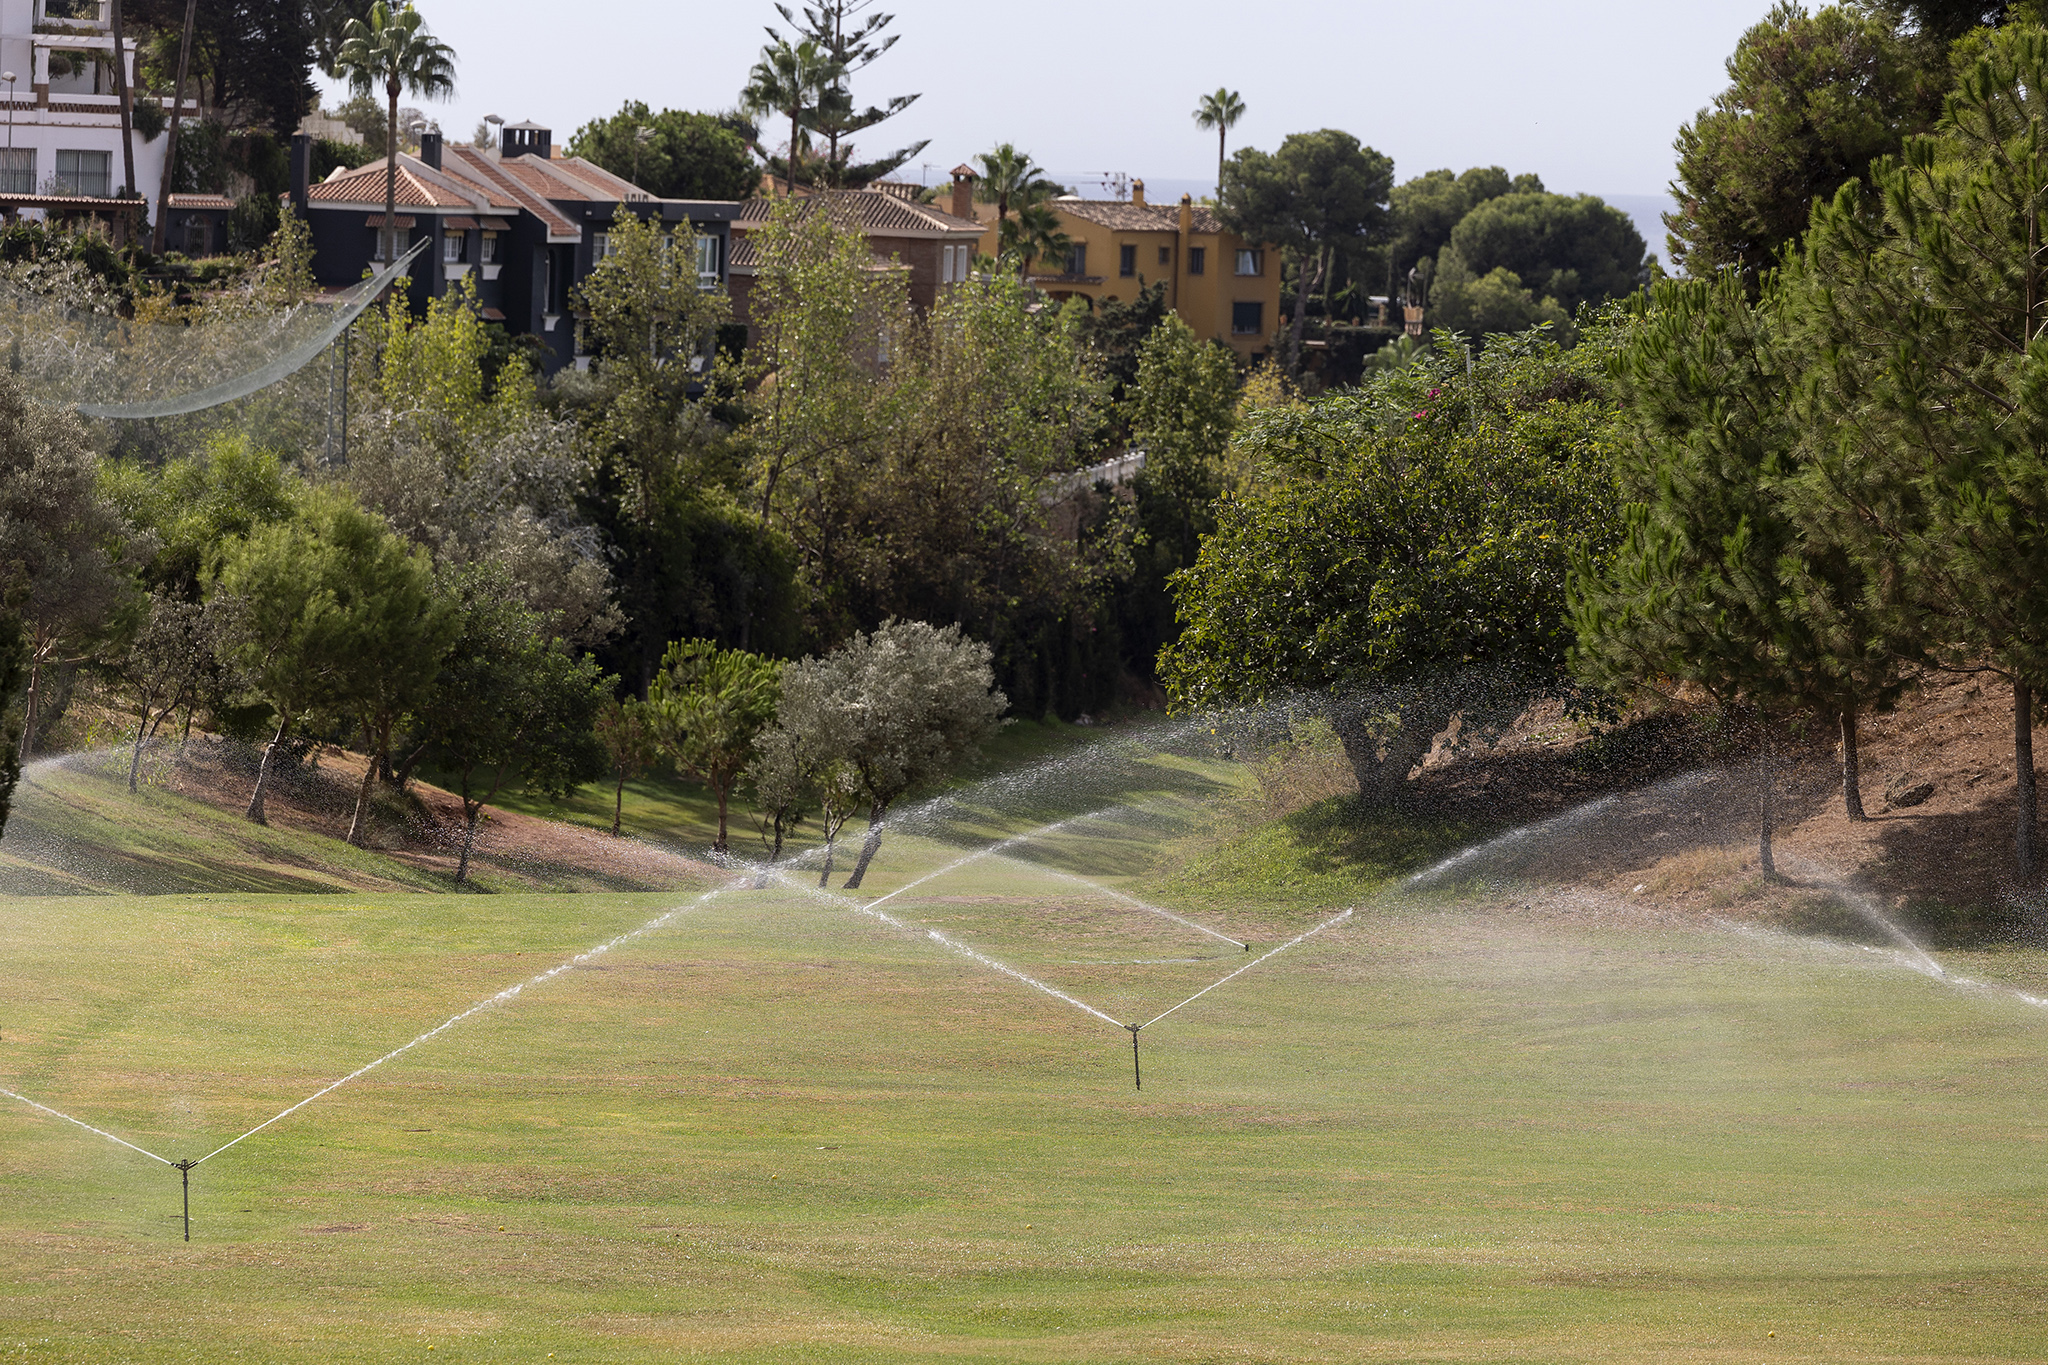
[[423, 825], [1673, 830]]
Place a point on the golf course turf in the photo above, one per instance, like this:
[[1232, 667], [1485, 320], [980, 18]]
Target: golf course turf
[[1457, 1125]]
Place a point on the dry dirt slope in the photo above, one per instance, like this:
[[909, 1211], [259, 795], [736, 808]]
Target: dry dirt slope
[[1678, 833]]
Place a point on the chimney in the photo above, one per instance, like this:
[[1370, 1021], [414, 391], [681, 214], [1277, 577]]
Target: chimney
[[1138, 193], [1187, 214], [963, 193], [430, 149], [302, 170], [525, 139]]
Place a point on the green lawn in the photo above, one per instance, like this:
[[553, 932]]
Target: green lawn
[[776, 1129]]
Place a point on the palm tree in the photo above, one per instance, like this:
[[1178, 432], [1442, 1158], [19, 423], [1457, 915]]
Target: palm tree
[[396, 52], [1220, 111], [1033, 233], [790, 80], [1009, 176]]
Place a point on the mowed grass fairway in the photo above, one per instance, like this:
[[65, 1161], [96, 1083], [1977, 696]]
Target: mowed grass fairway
[[778, 1130]]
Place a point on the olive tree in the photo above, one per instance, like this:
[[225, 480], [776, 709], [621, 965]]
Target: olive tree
[[906, 703], [800, 764]]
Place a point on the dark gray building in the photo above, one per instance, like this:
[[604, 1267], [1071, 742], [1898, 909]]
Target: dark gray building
[[525, 223]]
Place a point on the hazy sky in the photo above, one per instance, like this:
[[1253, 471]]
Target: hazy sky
[[1587, 93]]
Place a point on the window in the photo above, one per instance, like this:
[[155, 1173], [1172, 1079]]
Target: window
[[1198, 260], [1127, 261], [707, 262], [1077, 259], [18, 171], [489, 254], [87, 173], [1251, 261], [1247, 319], [197, 238], [452, 246], [1166, 255], [946, 264], [600, 246]]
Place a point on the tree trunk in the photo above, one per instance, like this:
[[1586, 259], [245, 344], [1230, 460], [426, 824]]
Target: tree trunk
[[142, 737], [471, 814], [1763, 843], [412, 761], [390, 177], [358, 826], [255, 811], [1222, 134], [1383, 781], [719, 847], [868, 846], [1302, 286], [775, 853], [2023, 768], [127, 98], [789, 165], [163, 193], [28, 710], [1852, 768], [618, 792], [831, 847]]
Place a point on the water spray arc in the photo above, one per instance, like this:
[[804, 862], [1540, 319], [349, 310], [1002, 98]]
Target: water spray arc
[[1132, 901], [996, 850], [186, 1167]]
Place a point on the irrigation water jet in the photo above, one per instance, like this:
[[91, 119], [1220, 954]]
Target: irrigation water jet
[[1302, 937], [1132, 901], [60, 1114], [943, 940], [509, 993], [993, 850], [185, 1167], [1550, 825]]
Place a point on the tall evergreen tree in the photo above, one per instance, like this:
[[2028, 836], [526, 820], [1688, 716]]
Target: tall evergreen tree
[[1714, 584], [852, 43], [1812, 99], [1925, 308]]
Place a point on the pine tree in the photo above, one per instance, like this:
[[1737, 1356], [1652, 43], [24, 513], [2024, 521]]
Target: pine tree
[[1924, 306], [1714, 583]]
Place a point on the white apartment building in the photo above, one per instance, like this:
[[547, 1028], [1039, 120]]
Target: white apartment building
[[62, 136]]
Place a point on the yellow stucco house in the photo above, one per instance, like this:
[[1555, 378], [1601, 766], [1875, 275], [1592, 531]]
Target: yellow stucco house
[[1224, 287]]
